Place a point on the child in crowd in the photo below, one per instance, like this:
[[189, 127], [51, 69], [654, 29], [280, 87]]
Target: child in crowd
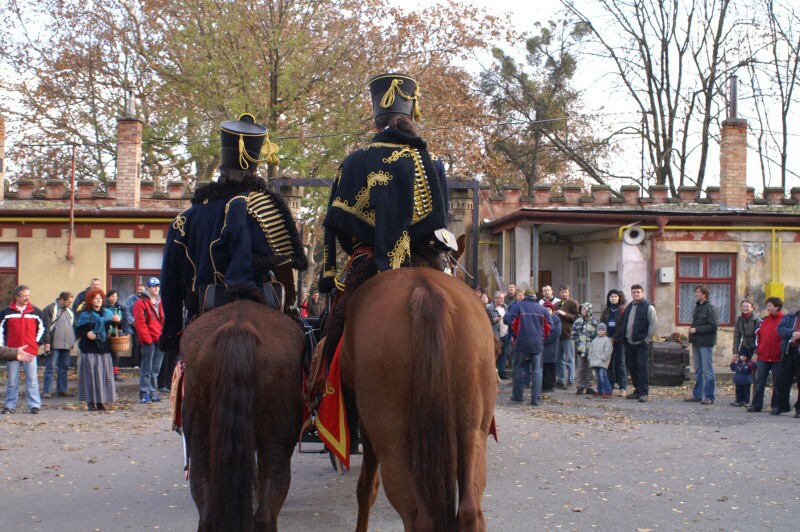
[[583, 332], [742, 370], [599, 357]]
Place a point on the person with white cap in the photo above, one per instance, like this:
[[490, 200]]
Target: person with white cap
[[148, 319]]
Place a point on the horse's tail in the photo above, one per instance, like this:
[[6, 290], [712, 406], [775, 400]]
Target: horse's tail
[[432, 425], [231, 475]]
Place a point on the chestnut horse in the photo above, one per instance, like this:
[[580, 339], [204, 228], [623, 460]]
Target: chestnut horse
[[418, 357], [242, 383]]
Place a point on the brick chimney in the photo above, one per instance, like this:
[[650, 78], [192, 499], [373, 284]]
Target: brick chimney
[[2, 157], [129, 156], [733, 157]]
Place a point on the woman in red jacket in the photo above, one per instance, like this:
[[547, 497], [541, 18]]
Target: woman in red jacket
[[768, 353]]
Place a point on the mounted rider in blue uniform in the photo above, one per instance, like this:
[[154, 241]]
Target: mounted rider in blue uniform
[[232, 240], [390, 196]]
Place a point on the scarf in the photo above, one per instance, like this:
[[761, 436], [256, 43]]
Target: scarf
[[98, 320]]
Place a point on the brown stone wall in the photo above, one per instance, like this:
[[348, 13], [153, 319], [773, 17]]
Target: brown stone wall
[[129, 156], [733, 164]]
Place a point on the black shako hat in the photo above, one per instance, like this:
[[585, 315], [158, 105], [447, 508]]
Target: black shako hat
[[394, 93], [241, 144]]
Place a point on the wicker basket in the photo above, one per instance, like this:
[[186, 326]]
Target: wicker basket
[[119, 343]]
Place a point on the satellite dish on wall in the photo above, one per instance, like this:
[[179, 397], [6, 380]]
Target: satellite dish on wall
[[633, 235]]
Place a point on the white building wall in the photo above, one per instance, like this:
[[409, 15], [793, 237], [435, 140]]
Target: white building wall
[[633, 268], [522, 264]]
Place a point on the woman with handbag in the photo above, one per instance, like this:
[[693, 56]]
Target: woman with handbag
[[95, 367]]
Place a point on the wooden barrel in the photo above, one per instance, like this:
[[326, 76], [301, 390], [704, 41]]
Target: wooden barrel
[[669, 363]]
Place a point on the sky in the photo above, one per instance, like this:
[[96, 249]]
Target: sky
[[594, 81], [524, 15]]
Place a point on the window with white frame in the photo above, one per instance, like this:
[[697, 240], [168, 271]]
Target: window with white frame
[[581, 275]]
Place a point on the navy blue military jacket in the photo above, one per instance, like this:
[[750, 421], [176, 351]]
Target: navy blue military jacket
[[229, 235], [385, 196]]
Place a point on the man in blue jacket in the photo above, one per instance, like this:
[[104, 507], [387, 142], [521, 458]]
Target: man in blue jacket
[[789, 331], [530, 325]]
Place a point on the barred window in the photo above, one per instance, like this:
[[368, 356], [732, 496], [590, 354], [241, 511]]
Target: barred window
[[9, 272], [715, 270]]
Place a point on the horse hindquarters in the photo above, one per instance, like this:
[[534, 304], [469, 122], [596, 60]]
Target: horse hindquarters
[[432, 423], [229, 496], [279, 414]]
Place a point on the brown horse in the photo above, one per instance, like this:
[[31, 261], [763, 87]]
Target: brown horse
[[418, 357], [242, 382]]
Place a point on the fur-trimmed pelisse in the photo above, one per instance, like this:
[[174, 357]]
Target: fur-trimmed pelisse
[[248, 181], [243, 292]]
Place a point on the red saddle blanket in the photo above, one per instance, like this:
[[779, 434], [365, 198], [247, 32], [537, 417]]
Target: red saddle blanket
[[331, 420], [176, 397]]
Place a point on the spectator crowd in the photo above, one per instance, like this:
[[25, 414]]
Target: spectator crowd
[[551, 342], [98, 323], [548, 343]]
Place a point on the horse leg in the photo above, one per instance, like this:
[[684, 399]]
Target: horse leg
[[401, 490], [368, 483], [275, 475], [197, 451], [471, 480], [260, 518]]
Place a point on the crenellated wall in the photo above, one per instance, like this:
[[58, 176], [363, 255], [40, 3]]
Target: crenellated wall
[[54, 193], [495, 206]]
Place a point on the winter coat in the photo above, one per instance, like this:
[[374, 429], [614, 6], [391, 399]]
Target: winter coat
[[584, 331], [95, 321], [572, 312], [785, 329], [530, 325], [705, 320], [26, 327], [600, 352], [127, 318], [8, 353], [118, 310], [605, 317], [59, 322], [744, 333], [550, 353], [768, 342], [80, 298], [148, 320], [645, 321], [499, 328], [742, 372]]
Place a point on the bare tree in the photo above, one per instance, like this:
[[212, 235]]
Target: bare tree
[[669, 59], [774, 79]]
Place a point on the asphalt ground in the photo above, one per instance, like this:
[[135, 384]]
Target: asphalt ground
[[574, 463]]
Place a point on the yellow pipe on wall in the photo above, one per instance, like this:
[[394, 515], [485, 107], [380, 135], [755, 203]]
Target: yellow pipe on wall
[[773, 228]]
